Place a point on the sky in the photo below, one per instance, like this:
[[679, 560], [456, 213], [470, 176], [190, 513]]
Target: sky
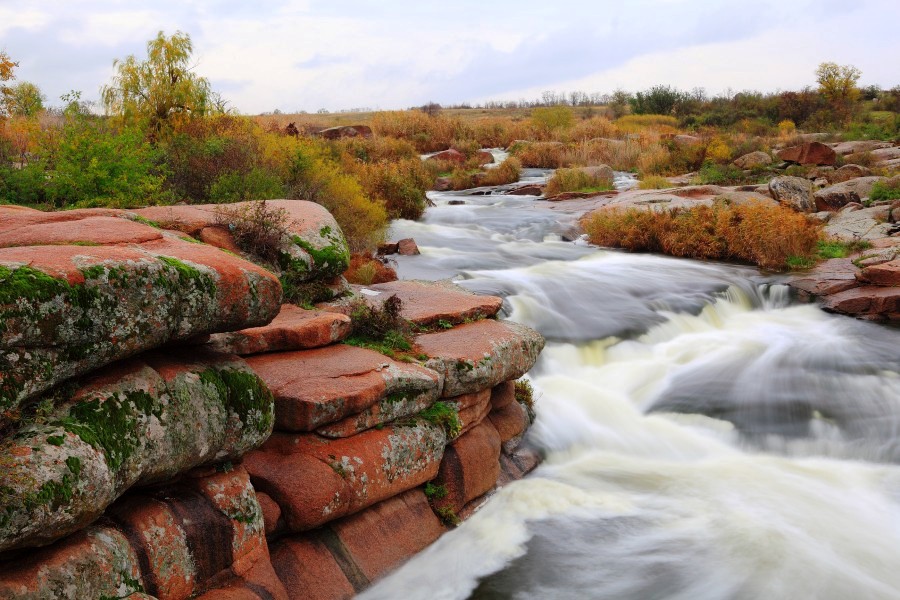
[[306, 55]]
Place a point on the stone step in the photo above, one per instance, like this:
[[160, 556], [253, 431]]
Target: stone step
[[294, 328], [320, 387], [315, 480], [426, 303], [477, 356]]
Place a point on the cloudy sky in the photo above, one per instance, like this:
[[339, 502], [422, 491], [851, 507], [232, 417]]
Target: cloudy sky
[[295, 55]]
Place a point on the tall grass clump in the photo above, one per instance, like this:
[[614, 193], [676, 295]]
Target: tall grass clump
[[577, 180], [654, 182], [770, 237], [506, 172]]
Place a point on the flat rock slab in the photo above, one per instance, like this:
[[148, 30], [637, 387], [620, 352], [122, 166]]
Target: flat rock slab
[[886, 274], [78, 294], [829, 277], [477, 356], [135, 422], [863, 224], [314, 388], [871, 302], [314, 247], [429, 302], [316, 480], [294, 328]]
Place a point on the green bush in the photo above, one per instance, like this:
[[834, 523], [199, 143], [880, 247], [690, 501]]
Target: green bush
[[716, 174], [886, 190]]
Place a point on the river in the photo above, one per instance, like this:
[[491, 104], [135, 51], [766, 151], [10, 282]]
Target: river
[[704, 436]]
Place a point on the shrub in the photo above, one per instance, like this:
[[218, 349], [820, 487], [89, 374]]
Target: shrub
[[400, 186], [382, 329], [654, 182], [886, 190], [258, 229], [365, 270], [770, 237], [718, 151], [552, 117], [656, 160], [506, 172], [576, 180], [658, 100], [864, 159], [715, 174]]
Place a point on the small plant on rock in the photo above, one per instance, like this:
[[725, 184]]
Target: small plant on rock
[[258, 228], [382, 329]]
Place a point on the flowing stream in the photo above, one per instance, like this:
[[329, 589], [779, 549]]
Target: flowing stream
[[705, 437]]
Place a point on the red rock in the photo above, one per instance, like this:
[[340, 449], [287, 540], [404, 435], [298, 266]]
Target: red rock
[[317, 387], [449, 155], [503, 394], [480, 355], [308, 570], [382, 537], [293, 329], [260, 581], [510, 421], [830, 277], [388, 248], [219, 237], [443, 184], [100, 231], [517, 464], [472, 408], [136, 298], [345, 131], [870, 301], [407, 247], [315, 480], [156, 531], [392, 407], [887, 274], [470, 467], [427, 303], [484, 157], [811, 153], [93, 563], [323, 249], [195, 533], [527, 190], [271, 512]]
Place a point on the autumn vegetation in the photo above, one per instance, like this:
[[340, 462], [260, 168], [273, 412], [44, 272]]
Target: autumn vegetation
[[771, 237], [165, 136]]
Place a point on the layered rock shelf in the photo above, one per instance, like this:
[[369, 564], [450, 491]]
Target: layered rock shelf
[[170, 429]]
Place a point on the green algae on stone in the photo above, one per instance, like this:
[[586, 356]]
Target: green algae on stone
[[129, 427]]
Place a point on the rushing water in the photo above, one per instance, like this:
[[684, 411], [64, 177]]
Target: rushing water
[[704, 436]]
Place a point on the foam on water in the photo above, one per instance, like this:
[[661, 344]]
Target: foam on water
[[704, 438]]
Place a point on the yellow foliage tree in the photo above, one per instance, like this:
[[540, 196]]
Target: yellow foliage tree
[[837, 83], [159, 90]]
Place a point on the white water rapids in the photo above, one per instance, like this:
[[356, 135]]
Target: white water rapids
[[704, 437]]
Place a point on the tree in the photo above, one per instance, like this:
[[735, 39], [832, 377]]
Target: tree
[[7, 65], [658, 100], [159, 90], [837, 84], [24, 99]]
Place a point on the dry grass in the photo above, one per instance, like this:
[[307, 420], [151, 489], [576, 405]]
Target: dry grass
[[365, 270], [654, 182], [541, 155], [506, 172], [576, 180], [770, 237]]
